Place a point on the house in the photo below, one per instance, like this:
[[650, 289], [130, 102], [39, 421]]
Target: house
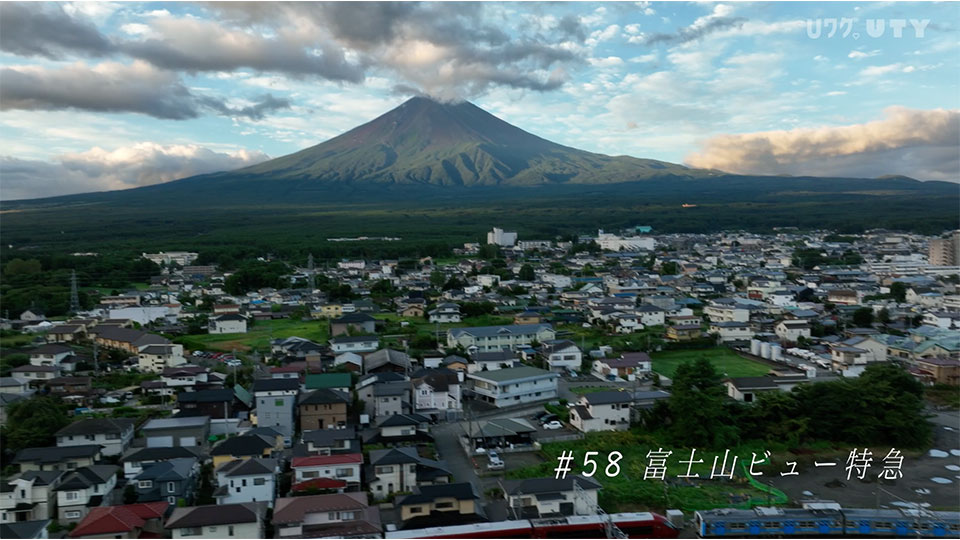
[[113, 434], [355, 344], [436, 393], [441, 505], [496, 338], [445, 313], [276, 404], [386, 360], [25, 529], [352, 361], [844, 297], [602, 411], [327, 311], [136, 459], [528, 317], [513, 386], [394, 470], [184, 431], [242, 447], [83, 489], [384, 394], [356, 323], [189, 378], [791, 330], [399, 428], [242, 520], [342, 472], [19, 383], [491, 360], [218, 403], [29, 496], [745, 389], [456, 363], [560, 355], [324, 442], [155, 358], [228, 323], [551, 497], [296, 347], [126, 340], [323, 408], [683, 332], [142, 520], [49, 354], [937, 370], [847, 360], [173, 480], [500, 433], [629, 366], [337, 515], [412, 311], [247, 480], [59, 458], [69, 385], [329, 381], [650, 315], [732, 331]]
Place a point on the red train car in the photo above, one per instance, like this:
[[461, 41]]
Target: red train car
[[634, 525]]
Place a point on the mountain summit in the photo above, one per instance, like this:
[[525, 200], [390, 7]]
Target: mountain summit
[[429, 142]]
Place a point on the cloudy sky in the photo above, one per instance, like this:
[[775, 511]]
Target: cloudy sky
[[99, 96]]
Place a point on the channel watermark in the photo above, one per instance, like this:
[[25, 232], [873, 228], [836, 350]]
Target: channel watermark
[[845, 27]]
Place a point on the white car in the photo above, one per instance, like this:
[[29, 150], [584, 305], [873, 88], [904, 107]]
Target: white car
[[495, 463], [555, 424]]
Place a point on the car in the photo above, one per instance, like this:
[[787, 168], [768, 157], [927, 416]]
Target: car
[[572, 374], [198, 353], [549, 417], [109, 400], [553, 424], [495, 463], [128, 395]]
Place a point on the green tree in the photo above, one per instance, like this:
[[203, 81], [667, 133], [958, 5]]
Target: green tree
[[863, 317], [526, 273], [898, 290], [669, 268], [697, 415], [129, 494], [884, 316], [33, 422], [437, 278]]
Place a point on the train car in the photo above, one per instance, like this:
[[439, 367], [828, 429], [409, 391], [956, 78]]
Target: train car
[[766, 521], [501, 529], [645, 525], [826, 520]]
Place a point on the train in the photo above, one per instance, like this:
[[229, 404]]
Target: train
[[826, 520], [633, 525]]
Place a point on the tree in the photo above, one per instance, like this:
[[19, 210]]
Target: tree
[[669, 268], [526, 273], [863, 317], [437, 278], [33, 422], [884, 316], [129, 494], [898, 290], [697, 415]]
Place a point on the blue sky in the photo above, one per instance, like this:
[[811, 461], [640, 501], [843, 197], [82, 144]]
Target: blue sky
[[106, 95]]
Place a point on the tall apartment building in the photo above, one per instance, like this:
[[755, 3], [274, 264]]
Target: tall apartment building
[[945, 251]]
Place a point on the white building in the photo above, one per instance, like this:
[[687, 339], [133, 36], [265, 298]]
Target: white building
[[513, 386], [551, 496], [602, 411], [113, 434], [250, 480], [28, 496], [342, 467], [613, 242], [732, 331], [792, 329], [445, 313], [155, 358], [561, 355], [243, 520], [228, 323], [436, 390], [182, 258], [497, 338], [501, 238], [354, 344], [78, 489]]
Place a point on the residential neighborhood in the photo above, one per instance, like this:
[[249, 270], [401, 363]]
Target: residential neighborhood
[[372, 397]]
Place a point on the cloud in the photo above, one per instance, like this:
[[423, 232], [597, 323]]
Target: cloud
[[113, 87], [45, 29], [917, 143], [718, 20], [140, 164]]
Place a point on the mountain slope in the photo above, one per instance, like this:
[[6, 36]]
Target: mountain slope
[[427, 142]]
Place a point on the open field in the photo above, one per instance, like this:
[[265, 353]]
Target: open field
[[724, 360], [258, 337]]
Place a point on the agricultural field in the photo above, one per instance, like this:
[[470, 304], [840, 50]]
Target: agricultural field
[[727, 363], [258, 336]]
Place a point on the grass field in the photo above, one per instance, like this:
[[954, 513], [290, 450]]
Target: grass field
[[258, 337], [725, 361], [589, 389]]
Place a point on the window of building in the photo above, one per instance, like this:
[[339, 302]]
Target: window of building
[[259, 481], [171, 487], [72, 495], [444, 505], [342, 473], [229, 530], [278, 402], [145, 484], [72, 515]]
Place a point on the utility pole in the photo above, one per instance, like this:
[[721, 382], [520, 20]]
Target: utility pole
[[74, 294], [96, 354], [311, 273]]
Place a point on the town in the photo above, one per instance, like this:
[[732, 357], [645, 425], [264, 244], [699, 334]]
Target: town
[[430, 397]]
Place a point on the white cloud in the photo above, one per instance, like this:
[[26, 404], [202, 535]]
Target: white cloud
[[97, 169], [917, 143], [856, 55]]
